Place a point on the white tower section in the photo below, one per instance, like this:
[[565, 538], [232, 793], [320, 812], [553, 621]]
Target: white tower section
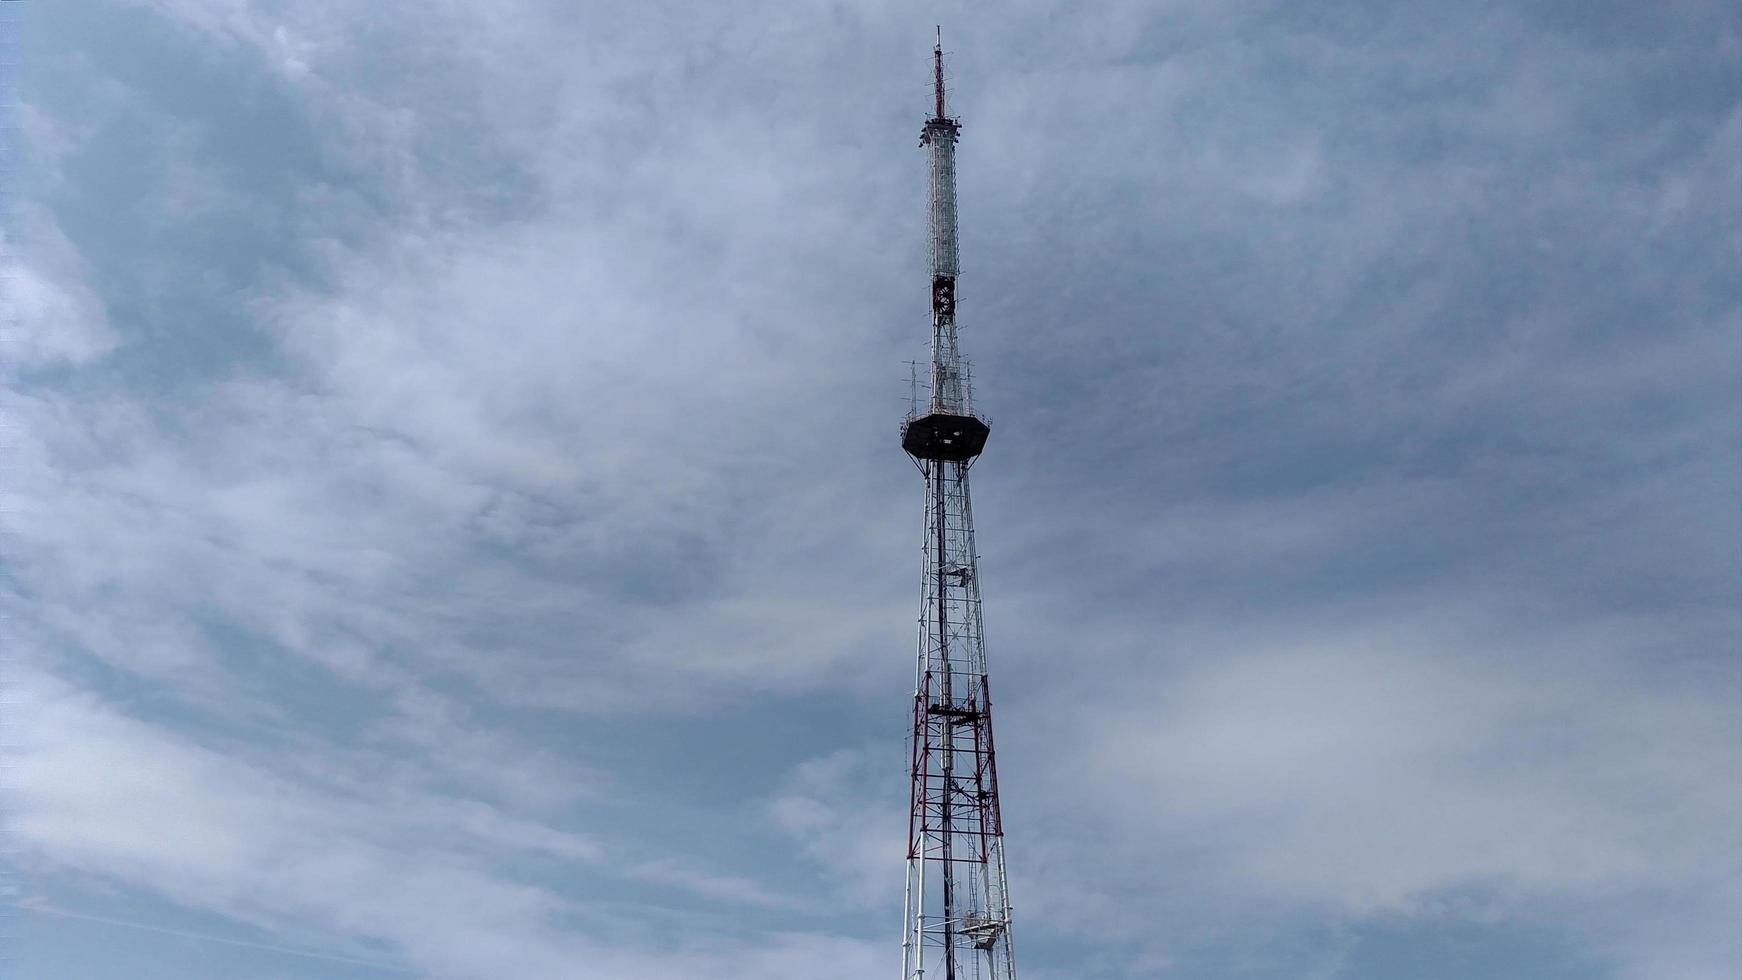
[[940, 142]]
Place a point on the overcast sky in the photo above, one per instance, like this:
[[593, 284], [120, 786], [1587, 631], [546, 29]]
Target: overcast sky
[[454, 522]]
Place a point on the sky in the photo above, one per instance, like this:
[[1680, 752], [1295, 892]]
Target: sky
[[454, 524]]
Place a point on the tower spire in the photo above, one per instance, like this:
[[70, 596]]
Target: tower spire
[[957, 909], [937, 69]]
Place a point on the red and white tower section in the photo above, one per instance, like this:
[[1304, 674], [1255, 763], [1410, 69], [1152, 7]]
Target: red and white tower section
[[957, 909]]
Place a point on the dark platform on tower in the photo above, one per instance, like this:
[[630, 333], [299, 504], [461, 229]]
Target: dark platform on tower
[[942, 436]]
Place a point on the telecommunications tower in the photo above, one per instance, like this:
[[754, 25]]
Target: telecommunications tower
[[957, 910]]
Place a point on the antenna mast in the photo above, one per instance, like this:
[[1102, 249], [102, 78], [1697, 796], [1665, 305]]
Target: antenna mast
[[957, 908], [937, 55]]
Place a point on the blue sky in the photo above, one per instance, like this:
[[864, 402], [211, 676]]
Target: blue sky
[[454, 524]]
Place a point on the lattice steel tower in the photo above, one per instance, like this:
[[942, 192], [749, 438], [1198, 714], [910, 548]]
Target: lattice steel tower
[[957, 910]]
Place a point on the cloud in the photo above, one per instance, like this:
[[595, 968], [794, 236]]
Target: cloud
[[245, 835], [50, 317], [1348, 556], [848, 811], [1368, 777]]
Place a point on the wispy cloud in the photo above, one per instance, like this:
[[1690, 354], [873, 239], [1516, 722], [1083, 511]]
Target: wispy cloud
[[434, 430]]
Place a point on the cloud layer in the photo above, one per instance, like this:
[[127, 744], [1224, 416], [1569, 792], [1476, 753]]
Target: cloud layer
[[453, 521]]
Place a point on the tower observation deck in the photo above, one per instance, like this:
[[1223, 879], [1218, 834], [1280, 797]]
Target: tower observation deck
[[957, 909]]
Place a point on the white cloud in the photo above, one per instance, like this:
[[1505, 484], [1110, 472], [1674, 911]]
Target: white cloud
[[225, 831], [573, 421], [1373, 768], [848, 811], [49, 315]]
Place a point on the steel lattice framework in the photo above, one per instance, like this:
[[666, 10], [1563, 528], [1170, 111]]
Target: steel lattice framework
[[957, 908]]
